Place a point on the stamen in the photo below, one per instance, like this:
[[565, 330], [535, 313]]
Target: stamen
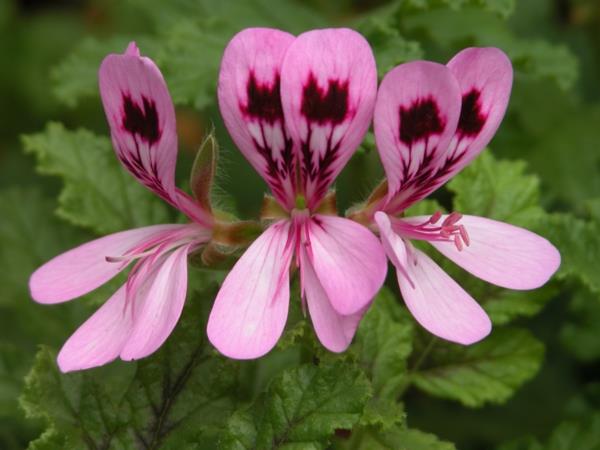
[[435, 217], [464, 235], [458, 243], [451, 219], [449, 230]]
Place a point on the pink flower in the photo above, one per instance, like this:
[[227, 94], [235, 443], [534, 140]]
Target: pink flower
[[430, 121], [139, 317], [297, 108]]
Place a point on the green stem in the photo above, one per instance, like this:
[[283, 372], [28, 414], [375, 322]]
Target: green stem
[[424, 354]]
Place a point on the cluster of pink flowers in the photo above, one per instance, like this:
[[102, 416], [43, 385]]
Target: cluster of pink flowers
[[298, 107]]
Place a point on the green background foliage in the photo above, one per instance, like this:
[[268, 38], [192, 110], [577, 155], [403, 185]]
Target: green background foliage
[[533, 384]]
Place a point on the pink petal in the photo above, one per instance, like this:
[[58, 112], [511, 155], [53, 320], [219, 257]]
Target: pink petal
[[436, 301], [440, 305], [485, 77], [85, 268], [417, 110], [250, 103], [348, 261], [251, 308], [141, 116], [158, 306], [334, 330], [328, 89], [503, 254], [100, 339], [393, 245]]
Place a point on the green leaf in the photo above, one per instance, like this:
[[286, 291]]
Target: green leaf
[[532, 59], [504, 8], [301, 409], [384, 343], [571, 435], [579, 244], [26, 243], [163, 401], [505, 305], [76, 76], [399, 438], [193, 47], [499, 190], [488, 372], [190, 59], [389, 47], [580, 333], [504, 191], [98, 193]]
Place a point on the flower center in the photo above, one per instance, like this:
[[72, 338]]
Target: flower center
[[448, 230]]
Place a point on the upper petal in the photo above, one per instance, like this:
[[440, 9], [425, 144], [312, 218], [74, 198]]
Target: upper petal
[[82, 269], [348, 261], [249, 313], [250, 103], [485, 77], [101, 338], [503, 254], [417, 110], [334, 330], [439, 304], [328, 89], [157, 305], [141, 116]]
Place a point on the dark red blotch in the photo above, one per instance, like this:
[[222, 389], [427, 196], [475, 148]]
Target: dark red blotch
[[325, 106], [141, 120], [264, 101], [471, 119], [420, 120]]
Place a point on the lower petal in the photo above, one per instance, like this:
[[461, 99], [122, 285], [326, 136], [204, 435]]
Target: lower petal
[[83, 269], [100, 339], [503, 254], [334, 330], [439, 304], [158, 307], [348, 261], [251, 308]]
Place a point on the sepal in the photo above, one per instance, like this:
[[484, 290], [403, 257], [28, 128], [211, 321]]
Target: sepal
[[204, 169]]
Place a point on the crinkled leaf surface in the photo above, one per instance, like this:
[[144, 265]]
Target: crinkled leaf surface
[[487, 372], [164, 401], [301, 409], [384, 343], [504, 191]]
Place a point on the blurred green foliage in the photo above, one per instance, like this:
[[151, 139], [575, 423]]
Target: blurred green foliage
[[532, 385]]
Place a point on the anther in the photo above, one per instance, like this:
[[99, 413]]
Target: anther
[[458, 243], [435, 217], [464, 235], [451, 219]]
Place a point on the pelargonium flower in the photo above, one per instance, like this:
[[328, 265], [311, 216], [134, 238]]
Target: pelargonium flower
[[141, 314], [430, 121], [297, 108]]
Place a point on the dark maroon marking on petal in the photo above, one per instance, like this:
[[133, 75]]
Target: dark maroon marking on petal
[[148, 177], [420, 120], [471, 119], [141, 121], [264, 101], [323, 107], [264, 105]]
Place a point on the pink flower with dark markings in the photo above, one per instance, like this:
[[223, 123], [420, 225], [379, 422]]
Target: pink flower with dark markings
[[297, 108], [138, 318], [430, 121]]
